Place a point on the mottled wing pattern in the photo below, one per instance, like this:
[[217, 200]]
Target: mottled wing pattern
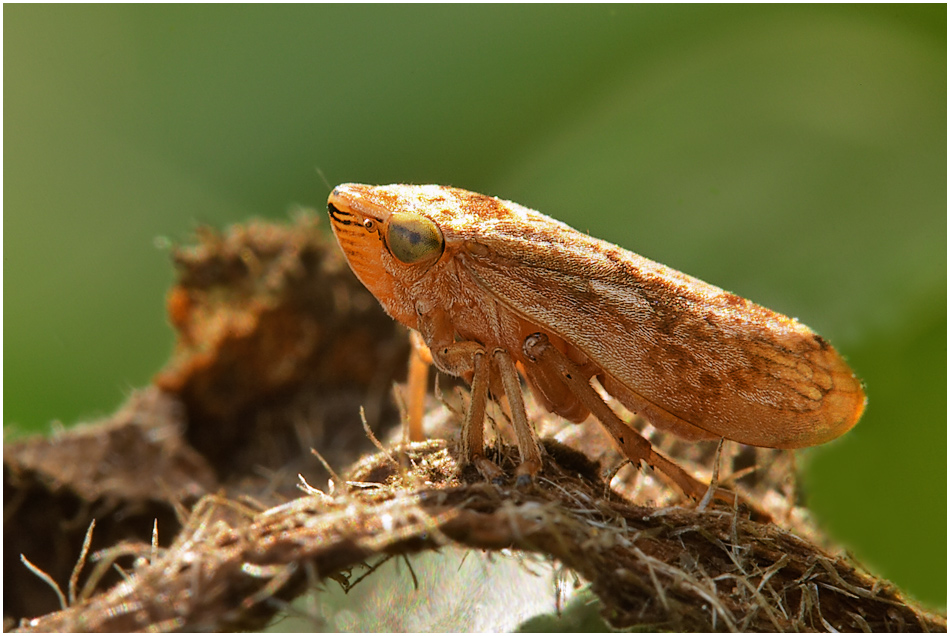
[[711, 358]]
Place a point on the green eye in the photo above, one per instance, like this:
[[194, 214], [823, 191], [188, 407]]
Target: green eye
[[413, 238]]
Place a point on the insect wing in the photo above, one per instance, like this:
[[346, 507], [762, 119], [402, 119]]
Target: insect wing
[[692, 351]]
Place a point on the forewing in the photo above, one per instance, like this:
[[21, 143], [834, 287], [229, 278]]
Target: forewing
[[710, 358]]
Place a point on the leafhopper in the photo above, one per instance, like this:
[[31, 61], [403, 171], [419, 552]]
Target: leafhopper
[[495, 289]]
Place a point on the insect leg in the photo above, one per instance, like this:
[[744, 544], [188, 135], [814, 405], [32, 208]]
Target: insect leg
[[525, 433], [635, 447], [419, 360], [460, 359], [473, 427]]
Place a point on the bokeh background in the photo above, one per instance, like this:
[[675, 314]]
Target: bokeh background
[[795, 155]]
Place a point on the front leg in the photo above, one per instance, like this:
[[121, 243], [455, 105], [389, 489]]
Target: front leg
[[420, 359], [470, 358], [462, 359], [487, 369]]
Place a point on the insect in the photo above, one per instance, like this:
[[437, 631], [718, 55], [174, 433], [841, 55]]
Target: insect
[[495, 288]]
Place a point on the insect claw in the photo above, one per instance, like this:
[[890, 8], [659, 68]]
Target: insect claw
[[523, 481], [489, 470]]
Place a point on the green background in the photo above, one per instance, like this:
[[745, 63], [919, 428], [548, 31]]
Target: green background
[[794, 155]]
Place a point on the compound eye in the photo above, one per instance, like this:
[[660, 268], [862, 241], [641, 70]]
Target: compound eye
[[413, 238]]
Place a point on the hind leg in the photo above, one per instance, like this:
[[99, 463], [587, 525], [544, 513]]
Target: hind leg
[[633, 446]]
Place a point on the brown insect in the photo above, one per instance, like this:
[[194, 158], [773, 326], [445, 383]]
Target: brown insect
[[494, 287]]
